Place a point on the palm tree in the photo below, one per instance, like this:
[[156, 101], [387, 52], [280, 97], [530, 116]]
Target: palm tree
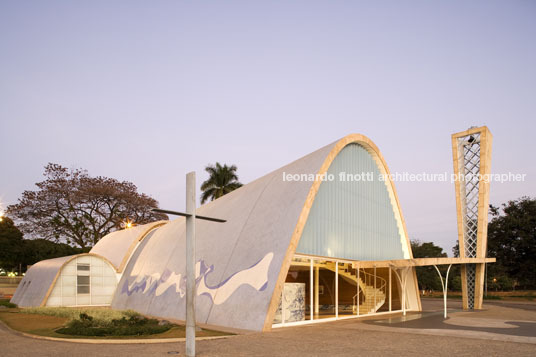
[[222, 180]]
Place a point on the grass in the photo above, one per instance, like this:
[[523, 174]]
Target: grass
[[101, 315], [33, 324], [47, 321]]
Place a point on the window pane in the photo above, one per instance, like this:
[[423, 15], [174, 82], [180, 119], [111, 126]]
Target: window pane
[[83, 289], [347, 289], [324, 289], [82, 267], [296, 298], [82, 280]]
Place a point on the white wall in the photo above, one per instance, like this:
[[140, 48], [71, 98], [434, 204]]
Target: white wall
[[102, 283]]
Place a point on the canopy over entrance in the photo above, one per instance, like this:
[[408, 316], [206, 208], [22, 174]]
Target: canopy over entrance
[[401, 268], [420, 262]]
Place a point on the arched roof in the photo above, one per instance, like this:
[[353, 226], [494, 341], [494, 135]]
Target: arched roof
[[118, 246], [250, 254], [37, 284]]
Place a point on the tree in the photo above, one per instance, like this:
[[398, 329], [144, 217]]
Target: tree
[[427, 276], [36, 250], [221, 180], [11, 244], [17, 252], [512, 240], [73, 207]]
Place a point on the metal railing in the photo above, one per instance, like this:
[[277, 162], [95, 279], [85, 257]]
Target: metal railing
[[370, 280]]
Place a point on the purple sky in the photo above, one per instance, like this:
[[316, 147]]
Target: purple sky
[[147, 91]]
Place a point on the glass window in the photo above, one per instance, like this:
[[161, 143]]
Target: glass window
[[82, 280], [324, 289], [347, 285], [82, 289], [83, 267], [82, 284], [295, 300]]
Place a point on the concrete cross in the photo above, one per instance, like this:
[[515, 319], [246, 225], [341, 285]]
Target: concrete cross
[[190, 258]]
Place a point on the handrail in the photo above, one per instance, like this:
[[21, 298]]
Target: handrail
[[368, 277], [368, 280]]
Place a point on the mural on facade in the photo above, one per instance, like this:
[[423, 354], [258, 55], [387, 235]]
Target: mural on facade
[[255, 276], [294, 303]]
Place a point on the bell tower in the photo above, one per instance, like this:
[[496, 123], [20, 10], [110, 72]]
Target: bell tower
[[471, 150]]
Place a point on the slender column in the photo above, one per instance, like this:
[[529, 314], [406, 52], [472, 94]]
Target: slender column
[[390, 288], [446, 291], [358, 290], [404, 296], [317, 282], [444, 285], [190, 265], [311, 289], [404, 278], [336, 289], [375, 289]]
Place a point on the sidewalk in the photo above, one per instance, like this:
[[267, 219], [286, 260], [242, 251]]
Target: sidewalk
[[464, 334]]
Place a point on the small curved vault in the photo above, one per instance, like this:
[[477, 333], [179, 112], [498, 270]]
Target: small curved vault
[[76, 280], [84, 280], [289, 252]]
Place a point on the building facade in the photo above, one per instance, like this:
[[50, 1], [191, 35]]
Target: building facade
[[289, 252]]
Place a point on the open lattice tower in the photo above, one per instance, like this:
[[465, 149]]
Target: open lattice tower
[[471, 151]]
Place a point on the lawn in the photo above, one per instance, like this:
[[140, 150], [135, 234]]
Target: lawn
[[46, 322]]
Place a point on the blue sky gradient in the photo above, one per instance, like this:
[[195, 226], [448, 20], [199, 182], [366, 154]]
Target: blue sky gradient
[[147, 91]]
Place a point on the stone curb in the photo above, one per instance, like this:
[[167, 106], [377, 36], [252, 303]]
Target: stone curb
[[110, 341]]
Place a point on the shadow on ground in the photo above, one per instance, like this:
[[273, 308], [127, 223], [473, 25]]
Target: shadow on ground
[[435, 320]]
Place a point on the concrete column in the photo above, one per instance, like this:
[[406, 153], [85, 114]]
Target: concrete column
[[190, 265], [358, 289], [336, 289], [317, 289], [311, 280], [375, 289], [390, 289]]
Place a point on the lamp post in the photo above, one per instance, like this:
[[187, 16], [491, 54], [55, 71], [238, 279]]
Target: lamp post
[[190, 257]]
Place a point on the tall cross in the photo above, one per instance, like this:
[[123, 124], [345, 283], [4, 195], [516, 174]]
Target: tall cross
[[190, 257]]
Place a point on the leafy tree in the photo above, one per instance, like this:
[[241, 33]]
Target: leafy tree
[[11, 244], [456, 250], [18, 252], [512, 240], [427, 276], [73, 207], [36, 250], [222, 180]]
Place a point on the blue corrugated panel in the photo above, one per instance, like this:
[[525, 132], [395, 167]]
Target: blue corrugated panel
[[352, 219]]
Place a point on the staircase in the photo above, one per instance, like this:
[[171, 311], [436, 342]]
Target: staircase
[[374, 298], [371, 295]]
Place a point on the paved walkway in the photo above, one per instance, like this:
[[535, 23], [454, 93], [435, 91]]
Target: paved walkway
[[499, 321], [501, 329]]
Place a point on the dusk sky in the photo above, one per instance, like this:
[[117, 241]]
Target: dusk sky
[[148, 91]]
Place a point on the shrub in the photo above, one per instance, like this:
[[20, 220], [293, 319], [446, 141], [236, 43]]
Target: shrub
[[8, 304], [133, 325]]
